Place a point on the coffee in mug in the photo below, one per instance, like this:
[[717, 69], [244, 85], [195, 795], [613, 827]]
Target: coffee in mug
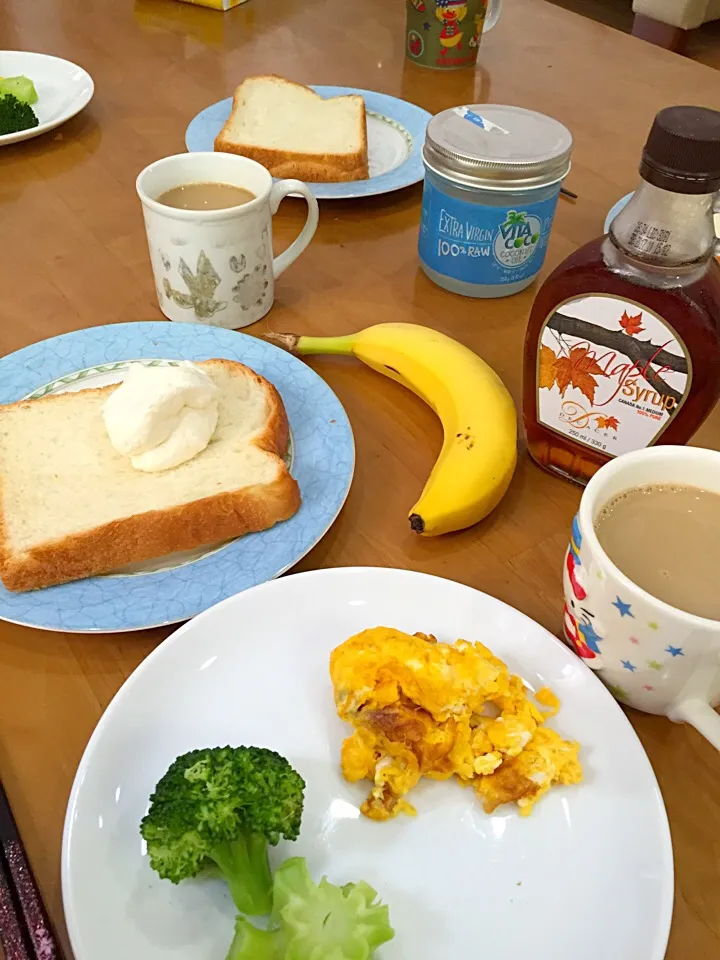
[[666, 539], [205, 196]]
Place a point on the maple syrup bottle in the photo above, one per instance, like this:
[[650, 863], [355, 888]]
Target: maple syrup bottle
[[623, 343]]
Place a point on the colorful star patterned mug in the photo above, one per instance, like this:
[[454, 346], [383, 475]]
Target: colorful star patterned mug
[[650, 655]]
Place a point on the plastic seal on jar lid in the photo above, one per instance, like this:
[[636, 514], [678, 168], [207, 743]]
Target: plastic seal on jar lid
[[495, 147]]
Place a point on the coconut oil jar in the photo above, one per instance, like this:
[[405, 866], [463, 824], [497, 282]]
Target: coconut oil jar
[[492, 180]]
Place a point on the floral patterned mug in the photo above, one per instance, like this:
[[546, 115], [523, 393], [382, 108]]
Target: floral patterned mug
[[651, 655], [216, 266]]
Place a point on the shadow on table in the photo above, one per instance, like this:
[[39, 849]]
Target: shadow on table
[[83, 130]]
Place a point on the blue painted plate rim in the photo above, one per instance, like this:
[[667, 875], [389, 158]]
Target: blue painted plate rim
[[615, 210], [312, 408], [623, 202], [412, 118]]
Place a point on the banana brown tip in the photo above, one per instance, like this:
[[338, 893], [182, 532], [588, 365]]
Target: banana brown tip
[[417, 523], [286, 341]]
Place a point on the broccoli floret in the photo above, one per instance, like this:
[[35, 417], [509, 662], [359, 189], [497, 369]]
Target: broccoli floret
[[250, 943], [15, 116], [315, 921], [21, 87], [223, 806]]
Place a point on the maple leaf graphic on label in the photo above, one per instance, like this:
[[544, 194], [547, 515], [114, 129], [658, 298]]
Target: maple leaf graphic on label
[[546, 368], [631, 325], [578, 370], [608, 423]]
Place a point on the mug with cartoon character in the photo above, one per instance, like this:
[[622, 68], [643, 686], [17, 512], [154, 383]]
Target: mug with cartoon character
[[446, 34], [650, 655]]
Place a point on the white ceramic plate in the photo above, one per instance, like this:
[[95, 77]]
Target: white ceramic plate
[[63, 89], [588, 875]]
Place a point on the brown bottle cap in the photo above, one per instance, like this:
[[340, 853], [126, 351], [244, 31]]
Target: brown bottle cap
[[682, 153]]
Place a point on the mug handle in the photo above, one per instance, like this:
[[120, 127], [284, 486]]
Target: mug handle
[[699, 714], [280, 190], [492, 14]]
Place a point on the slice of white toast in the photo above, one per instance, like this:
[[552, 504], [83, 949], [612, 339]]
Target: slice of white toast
[[295, 133], [72, 507]]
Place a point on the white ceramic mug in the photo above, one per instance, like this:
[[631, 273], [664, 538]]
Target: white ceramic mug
[[651, 655], [216, 266]]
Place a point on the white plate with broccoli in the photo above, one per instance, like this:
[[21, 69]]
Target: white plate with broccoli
[[38, 93], [589, 874]]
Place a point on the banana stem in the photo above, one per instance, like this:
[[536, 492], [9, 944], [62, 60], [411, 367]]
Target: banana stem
[[300, 346]]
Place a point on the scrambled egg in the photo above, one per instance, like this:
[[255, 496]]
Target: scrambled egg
[[427, 709]]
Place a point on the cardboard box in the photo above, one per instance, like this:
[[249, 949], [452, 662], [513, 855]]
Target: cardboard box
[[216, 4]]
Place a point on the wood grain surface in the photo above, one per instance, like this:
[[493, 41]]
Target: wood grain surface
[[73, 255]]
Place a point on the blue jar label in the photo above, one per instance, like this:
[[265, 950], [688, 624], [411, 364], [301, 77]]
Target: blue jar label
[[484, 245]]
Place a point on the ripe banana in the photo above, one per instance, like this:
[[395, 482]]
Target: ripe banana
[[479, 451]]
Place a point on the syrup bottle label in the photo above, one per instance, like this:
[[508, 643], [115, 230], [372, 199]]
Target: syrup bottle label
[[611, 374]]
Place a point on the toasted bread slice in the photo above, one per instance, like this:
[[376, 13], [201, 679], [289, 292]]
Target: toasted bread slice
[[72, 507], [295, 133]]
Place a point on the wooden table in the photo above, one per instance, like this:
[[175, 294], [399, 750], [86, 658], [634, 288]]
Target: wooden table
[[73, 255]]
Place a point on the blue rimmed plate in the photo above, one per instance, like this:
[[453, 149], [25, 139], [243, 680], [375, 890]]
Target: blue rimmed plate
[[179, 587], [396, 133], [615, 210]]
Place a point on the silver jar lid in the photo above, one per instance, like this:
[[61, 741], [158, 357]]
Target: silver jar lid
[[494, 147]]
